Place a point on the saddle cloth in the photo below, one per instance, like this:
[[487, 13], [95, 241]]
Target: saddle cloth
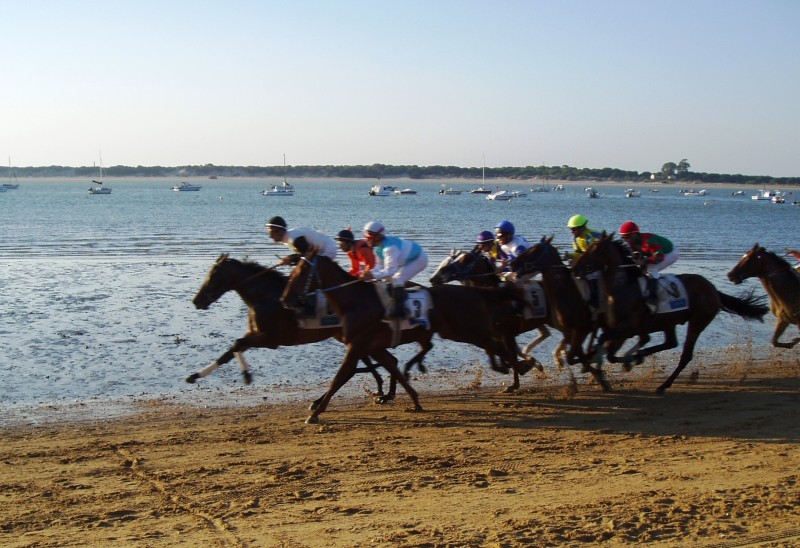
[[672, 296], [323, 315], [418, 305], [534, 297]]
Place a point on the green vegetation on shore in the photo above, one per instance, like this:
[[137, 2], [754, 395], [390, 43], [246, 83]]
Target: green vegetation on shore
[[375, 171]]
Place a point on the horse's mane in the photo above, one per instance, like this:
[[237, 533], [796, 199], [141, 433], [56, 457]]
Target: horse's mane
[[625, 251], [257, 268], [780, 260]]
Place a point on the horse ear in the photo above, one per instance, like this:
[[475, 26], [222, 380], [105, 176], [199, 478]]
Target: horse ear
[[611, 236], [222, 258], [550, 239]]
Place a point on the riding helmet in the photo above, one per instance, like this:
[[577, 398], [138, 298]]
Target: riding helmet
[[345, 235], [505, 227], [374, 226], [628, 227], [484, 237], [577, 221], [277, 222]]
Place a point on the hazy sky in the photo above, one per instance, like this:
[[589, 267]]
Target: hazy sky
[[629, 84]]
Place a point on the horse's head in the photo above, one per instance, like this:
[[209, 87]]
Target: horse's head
[[464, 266], [216, 284], [538, 257], [749, 266], [602, 254]]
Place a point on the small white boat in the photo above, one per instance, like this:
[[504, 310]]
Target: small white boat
[[405, 191], [695, 193], [379, 190], [97, 185], [540, 189], [186, 187], [738, 193], [632, 193], [500, 196], [779, 198], [559, 188], [592, 193], [284, 189], [447, 190], [765, 194]]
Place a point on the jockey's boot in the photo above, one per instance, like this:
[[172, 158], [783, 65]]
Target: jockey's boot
[[398, 303], [594, 293], [652, 290]]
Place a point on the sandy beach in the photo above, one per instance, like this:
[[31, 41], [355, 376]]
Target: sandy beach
[[713, 463]]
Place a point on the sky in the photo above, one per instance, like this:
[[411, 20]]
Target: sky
[[628, 84]]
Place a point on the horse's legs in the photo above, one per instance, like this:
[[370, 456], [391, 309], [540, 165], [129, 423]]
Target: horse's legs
[[780, 327], [239, 346], [543, 334], [245, 367], [387, 360], [370, 367], [425, 347], [692, 333], [344, 374]]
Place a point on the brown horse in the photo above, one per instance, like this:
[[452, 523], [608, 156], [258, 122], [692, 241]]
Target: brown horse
[[782, 283], [567, 310], [475, 269], [270, 325], [628, 315], [459, 313]]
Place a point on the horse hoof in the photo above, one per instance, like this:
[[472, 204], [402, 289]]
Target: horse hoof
[[416, 409], [192, 378], [510, 389], [383, 400], [248, 378], [313, 419]]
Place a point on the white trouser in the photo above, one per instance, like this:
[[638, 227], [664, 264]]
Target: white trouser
[[654, 269], [409, 270]]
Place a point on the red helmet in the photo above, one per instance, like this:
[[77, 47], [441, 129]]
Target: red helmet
[[628, 227]]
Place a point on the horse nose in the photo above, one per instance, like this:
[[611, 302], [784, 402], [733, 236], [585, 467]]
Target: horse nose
[[200, 303]]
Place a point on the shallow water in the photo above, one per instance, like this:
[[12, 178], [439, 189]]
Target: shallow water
[[96, 290]]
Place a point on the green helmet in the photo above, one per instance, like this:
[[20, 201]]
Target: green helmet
[[577, 220]]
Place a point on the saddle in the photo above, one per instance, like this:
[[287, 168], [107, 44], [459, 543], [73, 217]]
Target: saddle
[[418, 304], [317, 314], [672, 296]]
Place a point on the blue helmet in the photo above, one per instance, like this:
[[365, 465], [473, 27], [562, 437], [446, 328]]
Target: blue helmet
[[505, 227]]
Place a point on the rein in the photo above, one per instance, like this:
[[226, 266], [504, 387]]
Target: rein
[[315, 273], [254, 276]]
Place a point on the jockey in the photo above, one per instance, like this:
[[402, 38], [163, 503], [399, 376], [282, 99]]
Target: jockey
[[511, 245], [300, 240], [360, 253], [657, 252], [486, 244], [399, 261], [582, 236]]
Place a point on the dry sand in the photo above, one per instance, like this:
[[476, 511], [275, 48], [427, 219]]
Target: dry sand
[[713, 463]]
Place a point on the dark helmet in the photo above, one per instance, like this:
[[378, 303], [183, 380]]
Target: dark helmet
[[277, 222], [484, 237], [345, 235]]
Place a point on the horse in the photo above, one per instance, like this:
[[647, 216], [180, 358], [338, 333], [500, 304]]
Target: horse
[[627, 313], [270, 325], [567, 310], [475, 269], [459, 313], [782, 283]]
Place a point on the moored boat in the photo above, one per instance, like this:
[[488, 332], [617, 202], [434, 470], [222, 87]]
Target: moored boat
[[186, 187], [379, 190], [405, 191], [284, 189], [97, 184]]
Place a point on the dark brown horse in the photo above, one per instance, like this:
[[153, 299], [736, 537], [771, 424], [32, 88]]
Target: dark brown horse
[[475, 269], [627, 314], [459, 313], [567, 310], [269, 324], [782, 283]]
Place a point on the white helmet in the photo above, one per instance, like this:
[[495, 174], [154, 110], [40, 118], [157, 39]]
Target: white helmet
[[374, 226]]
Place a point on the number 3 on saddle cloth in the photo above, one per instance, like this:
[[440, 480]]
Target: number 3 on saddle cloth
[[418, 304], [672, 295]]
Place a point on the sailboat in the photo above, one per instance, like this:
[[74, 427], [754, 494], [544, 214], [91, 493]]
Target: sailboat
[[12, 176], [482, 189], [284, 189], [97, 185]]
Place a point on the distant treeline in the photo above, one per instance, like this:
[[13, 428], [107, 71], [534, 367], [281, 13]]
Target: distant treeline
[[377, 171]]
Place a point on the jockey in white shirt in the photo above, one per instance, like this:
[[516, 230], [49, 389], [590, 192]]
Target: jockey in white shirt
[[300, 240]]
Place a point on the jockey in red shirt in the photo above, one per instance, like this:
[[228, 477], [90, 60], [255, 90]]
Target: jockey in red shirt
[[656, 251], [362, 258]]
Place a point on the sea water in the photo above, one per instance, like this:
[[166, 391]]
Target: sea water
[[96, 290]]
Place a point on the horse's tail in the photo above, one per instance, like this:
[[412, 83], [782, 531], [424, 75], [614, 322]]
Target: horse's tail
[[748, 305]]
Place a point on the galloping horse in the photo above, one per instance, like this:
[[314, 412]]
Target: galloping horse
[[270, 325], [628, 315], [782, 283], [567, 310], [475, 269], [459, 313]]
